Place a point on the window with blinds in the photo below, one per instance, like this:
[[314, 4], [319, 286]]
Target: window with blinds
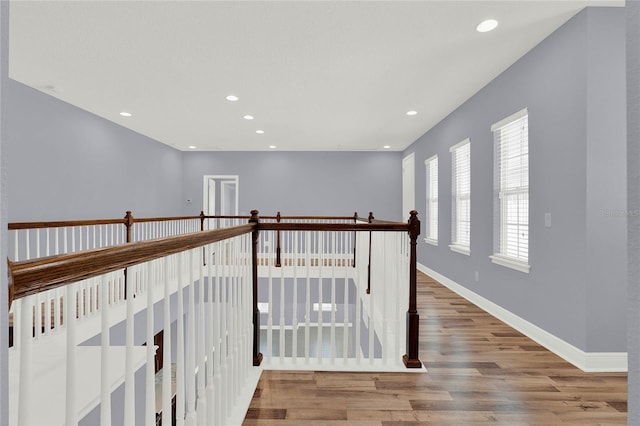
[[461, 200], [432, 199], [511, 139]]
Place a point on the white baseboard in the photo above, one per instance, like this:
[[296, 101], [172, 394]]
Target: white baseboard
[[586, 361]]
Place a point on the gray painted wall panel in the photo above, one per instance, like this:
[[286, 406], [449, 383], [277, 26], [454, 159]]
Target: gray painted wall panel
[[606, 180], [4, 318], [66, 163], [633, 205], [551, 80], [302, 183]]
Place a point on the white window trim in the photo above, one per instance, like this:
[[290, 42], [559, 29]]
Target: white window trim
[[431, 241], [510, 262], [460, 249], [499, 258], [459, 144], [510, 119]]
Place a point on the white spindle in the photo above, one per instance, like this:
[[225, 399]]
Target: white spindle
[[105, 391], [57, 241], [307, 314], [150, 400], [281, 307], [201, 402], [345, 308], [191, 344], [180, 395], [129, 384], [48, 240], [71, 303], [217, 345], [16, 251], [37, 231], [210, 342], [320, 299], [166, 352], [269, 351], [25, 408], [47, 312], [27, 245], [37, 327], [294, 315], [332, 343]]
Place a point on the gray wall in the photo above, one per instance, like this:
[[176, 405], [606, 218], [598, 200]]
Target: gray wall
[[4, 327], [302, 183], [575, 289], [66, 163], [633, 206]]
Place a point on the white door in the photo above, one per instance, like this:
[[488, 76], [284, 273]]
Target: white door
[[408, 185], [220, 198]]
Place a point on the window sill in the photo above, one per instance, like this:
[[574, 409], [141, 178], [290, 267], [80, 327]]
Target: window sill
[[460, 249], [510, 263], [431, 241]]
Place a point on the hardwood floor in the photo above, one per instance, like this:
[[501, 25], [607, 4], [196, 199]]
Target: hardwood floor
[[480, 371]]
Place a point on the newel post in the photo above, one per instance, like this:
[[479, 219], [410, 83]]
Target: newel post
[[410, 359], [371, 218], [202, 220], [128, 223], [278, 259], [257, 356], [355, 235]]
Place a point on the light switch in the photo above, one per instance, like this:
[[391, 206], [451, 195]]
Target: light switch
[[547, 220]]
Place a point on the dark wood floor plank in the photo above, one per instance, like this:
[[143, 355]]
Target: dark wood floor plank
[[480, 372]]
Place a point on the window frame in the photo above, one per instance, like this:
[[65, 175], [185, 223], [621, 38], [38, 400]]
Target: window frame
[[457, 199], [432, 202], [502, 195]]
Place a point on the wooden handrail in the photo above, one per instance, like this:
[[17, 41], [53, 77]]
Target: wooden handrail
[[375, 227], [34, 276], [63, 223]]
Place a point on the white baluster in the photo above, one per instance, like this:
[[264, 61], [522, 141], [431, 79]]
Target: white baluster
[[16, 251], [345, 308], [25, 408], [307, 315], [180, 394], [105, 390], [166, 352], [332, 343], [27, 245], [281, 308], [150, 401], [217, 346], [201, 402], [37, 231], [210, 342], [71, 303], [129, 384], [269, 349], [320, 316], [294, 314], [191, 355]]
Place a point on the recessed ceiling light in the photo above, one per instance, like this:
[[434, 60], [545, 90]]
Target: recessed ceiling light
[[412, 112], [259, 132], [272, 146], [125, 114], [232, 98], [248, 117], [486, 26], [386, 147], [192, 147]]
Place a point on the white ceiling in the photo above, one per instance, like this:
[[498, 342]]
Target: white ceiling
[[317, 75]]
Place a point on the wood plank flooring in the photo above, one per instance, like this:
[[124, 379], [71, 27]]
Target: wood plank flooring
[[480, 372]]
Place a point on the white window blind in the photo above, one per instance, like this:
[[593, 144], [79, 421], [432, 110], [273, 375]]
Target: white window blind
[[461, 208], [511, 137], [432, 198]]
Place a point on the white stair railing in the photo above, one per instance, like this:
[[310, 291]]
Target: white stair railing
[[217, 352]]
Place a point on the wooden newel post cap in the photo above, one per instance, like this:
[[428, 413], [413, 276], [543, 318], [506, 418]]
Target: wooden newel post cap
[[201, 214], [371, 217], [128, 218], [254, 216], [414, 223], [278, 217]]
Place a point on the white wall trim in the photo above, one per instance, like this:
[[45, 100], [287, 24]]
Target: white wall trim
[[586, 361]]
